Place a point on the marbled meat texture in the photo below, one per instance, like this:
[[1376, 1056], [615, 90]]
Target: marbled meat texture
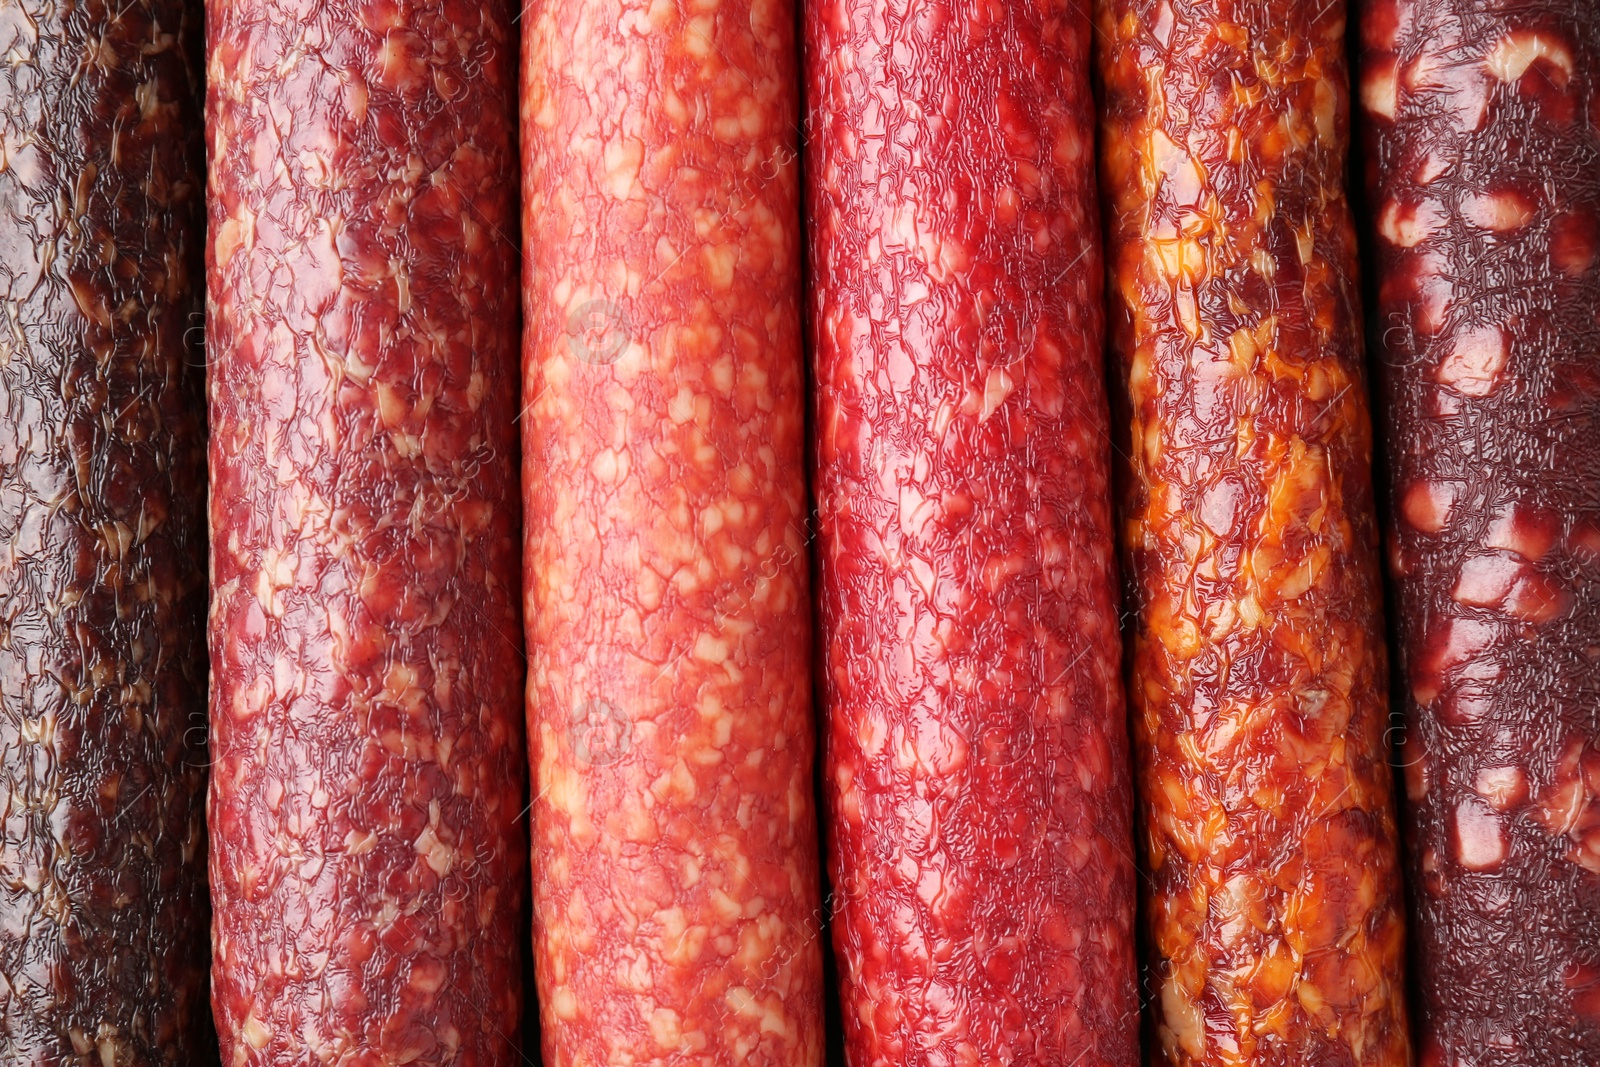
[[668, 619], [368, 871], [102, 538], [977, 782], [1482, 125], [1258, 669]]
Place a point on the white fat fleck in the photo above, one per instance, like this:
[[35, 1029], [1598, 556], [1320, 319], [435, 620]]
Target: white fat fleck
[[698, 39], [622, 161], [564, 1003], [255, 1032], [1182, 1022], [1499, 211], [1514, 53], [1480, 842], [943, 255], [438, 855], [1502, 787], [666, 1027], [996, 388], [1407, 225], [1476, 360], [1380, 90]]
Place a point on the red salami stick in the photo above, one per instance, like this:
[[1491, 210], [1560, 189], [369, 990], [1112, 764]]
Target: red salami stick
[[1483, 131], [668, 622], [976, 776], [102, 576], [1258, 667], [367, 869]]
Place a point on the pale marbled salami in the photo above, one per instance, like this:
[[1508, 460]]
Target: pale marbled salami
[[667, 613]]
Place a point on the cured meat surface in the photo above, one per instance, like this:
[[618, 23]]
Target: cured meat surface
[[669, 708], [102, 579], [977, 783], [1258, 680], [367, 869], [1483, 134]]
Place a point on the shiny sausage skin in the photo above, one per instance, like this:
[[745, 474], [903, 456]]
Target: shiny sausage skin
[[368, 872], [1258, 666], [102, 539], [977, 781], [1482, 125], [669, 708]]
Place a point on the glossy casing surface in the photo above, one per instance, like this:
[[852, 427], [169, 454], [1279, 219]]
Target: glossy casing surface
[[1274, 906], [368, 871], [666, 600], [1482, 127], [102, 538], [976, 776]]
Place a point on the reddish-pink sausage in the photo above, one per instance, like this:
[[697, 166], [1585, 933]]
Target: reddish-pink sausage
[[976, 768], [668, 617], [367, 868]]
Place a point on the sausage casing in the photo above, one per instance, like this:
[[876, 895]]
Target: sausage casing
[[1258, 666], [367, 867], [102, 538], [667, 611], [1482, 125], [979, 837]]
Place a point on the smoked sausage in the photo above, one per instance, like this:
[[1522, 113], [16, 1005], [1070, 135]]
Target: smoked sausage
[[1258, 667], [676, 898], [368, 871], [102, 539], [976, 776], [1482, 132]]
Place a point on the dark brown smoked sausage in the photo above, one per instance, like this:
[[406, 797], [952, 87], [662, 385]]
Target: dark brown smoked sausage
[[367, 868], [1482, 124], [976, 777], [102, 538], [1258, 666]]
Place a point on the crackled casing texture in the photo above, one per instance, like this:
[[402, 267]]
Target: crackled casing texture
[[676, 908], [1258, 668], [1482, 125], [102, 580], [368, 871], [976, 776]]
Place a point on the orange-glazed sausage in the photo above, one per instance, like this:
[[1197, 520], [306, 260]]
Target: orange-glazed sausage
[[1258, 669], [1482, 124]]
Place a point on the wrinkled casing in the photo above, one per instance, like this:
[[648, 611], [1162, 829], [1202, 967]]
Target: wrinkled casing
[[1258, 669], [977, 782], [1482, 125], [102, 582], [367, 869], [669, 625]]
